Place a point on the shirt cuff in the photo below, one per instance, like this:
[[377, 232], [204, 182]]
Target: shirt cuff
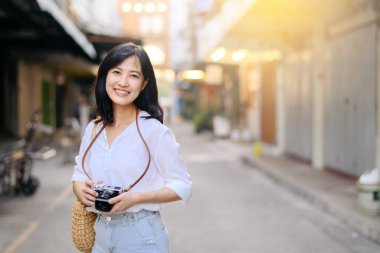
[[182, 189], [78, 178]]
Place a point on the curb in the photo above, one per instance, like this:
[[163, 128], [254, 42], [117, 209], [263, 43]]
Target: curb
[[360, 223]]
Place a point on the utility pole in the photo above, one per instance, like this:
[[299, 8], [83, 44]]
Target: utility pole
[[193, 33]]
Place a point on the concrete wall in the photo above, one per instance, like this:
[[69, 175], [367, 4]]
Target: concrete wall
[[30, 78], [350, 101], [299, 97]]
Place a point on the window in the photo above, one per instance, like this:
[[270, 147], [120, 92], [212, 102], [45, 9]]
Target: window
[[151, 24]]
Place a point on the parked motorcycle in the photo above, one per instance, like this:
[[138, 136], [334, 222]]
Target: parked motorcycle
[[16, 160]]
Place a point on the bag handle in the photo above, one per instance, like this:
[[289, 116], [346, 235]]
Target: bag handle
[[95, 136]]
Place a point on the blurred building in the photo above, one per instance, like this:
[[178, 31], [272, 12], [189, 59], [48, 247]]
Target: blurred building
[[50, 51], [95, 16], [301, 76], [40, 47], [149, 21], [181, 35]]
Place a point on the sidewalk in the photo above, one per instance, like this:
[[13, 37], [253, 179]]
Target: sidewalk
[[332, 193]]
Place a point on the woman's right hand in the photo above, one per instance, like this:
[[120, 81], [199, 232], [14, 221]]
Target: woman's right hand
[[85, 193]]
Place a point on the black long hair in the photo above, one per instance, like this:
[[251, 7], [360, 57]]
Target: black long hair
[[148, 97]]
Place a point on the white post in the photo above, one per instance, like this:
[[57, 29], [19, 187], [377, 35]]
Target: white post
[[243, 94], [377, 148], [280, 110], [318, 101]]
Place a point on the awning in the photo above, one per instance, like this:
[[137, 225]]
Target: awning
[[50, 7], [104, 43]]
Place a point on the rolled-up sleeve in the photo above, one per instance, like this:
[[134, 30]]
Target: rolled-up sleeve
[[78, 174], [172, 167]]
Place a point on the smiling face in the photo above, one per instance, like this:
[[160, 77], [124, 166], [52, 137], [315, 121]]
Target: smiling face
[[125, 82]]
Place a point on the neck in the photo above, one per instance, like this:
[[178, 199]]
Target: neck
[[123, 115]]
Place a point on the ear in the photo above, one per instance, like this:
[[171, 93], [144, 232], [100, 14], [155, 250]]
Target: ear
[[144, 85]]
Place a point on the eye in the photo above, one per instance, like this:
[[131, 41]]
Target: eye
[[134, 75], [116, 71]]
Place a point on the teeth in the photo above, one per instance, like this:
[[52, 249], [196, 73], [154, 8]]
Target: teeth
[[122, 92]]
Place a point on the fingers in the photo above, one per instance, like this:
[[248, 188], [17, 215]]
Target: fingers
[[87, 202], [114, 200], [89, 183], [117, 208], [121, 202], [118, 205], [88, 194]]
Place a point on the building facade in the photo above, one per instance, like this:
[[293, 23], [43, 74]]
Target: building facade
[[308, 76], [39, 46]]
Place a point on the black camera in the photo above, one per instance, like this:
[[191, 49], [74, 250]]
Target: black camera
[[105, 192]]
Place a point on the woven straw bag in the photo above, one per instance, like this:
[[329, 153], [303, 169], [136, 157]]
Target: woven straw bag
[[82, 221], [82, 227]]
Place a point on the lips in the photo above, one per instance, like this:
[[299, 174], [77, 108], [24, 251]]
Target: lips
[[121, 93]]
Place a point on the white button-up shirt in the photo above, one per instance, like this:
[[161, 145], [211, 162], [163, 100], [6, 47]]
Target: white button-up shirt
[[124, 162]]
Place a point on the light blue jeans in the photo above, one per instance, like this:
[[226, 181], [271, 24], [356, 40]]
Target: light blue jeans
[[142, 232]]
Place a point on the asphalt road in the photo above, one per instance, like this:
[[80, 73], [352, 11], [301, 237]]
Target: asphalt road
[[234, 209]]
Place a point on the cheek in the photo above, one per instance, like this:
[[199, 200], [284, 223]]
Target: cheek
[[109, 82], [137, 86], [108, 88]]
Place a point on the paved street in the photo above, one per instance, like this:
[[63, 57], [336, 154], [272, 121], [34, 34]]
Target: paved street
[[234, 209]]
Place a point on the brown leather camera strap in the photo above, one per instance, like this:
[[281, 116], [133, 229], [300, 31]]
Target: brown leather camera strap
[[147, 149], [94, 137]]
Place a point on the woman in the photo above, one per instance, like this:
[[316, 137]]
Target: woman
[[131, 144]]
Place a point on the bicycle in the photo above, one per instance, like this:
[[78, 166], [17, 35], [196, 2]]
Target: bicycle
[[16, 160]]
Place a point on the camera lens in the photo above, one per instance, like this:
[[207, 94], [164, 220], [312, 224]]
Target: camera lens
[[101, 202], [103, 205], [106, 194]]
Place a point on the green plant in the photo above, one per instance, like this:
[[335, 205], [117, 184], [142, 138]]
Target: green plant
[[189, 109], [202, 121]]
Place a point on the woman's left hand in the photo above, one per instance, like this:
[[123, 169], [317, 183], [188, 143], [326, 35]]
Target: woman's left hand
[[122, 202]]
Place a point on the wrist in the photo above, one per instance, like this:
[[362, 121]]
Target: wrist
[[141, 198], [138, 198]]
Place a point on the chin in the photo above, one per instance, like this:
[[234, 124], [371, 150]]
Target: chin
[[122, 101], [119, 103]]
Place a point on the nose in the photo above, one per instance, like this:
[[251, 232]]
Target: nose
[[123, 81]]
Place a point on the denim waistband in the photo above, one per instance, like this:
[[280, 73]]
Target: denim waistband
[[128, 215]]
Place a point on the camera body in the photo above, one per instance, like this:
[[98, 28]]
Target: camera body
[[105, 192]]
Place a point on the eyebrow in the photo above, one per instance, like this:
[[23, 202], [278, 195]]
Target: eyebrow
[[133, 71]]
